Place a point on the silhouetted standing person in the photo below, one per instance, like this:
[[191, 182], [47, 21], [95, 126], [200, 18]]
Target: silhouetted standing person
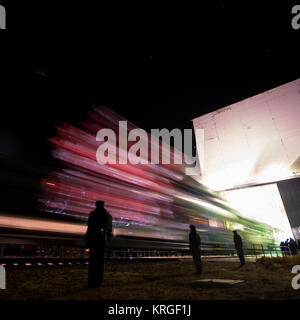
[[282, 248], [288, 249], [98, 232], [195, 243], [238, 243]]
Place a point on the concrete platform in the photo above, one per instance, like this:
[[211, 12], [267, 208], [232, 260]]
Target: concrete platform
[[217, 282]]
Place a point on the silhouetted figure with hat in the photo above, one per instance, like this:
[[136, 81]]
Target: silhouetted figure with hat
[[195, 248], [98, 233], [238, 243]]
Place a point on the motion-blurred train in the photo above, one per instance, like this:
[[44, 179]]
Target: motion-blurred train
[[152, 204]]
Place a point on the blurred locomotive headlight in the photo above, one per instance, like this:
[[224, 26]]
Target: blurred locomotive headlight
[[208, 206], [237, 226]]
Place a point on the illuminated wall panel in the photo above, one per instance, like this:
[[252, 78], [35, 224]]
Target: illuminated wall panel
[[254, 140]]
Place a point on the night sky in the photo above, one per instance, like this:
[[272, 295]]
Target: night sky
[[157, 67]]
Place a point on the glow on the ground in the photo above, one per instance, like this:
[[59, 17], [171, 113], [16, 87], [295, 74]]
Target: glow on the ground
[[264, 204]]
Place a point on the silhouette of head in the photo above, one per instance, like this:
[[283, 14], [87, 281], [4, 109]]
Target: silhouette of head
[[192, 227], [99, 204], [234, 231]]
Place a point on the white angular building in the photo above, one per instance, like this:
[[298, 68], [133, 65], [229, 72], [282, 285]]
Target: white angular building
[[256, 143]]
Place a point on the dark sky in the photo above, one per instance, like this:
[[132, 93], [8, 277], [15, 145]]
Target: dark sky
[[158, 67]]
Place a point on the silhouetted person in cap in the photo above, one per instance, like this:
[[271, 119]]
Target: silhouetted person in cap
[[238, 243], [195, 243], [98, 233]]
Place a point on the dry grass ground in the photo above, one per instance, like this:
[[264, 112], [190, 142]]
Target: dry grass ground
[[264, 279]]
